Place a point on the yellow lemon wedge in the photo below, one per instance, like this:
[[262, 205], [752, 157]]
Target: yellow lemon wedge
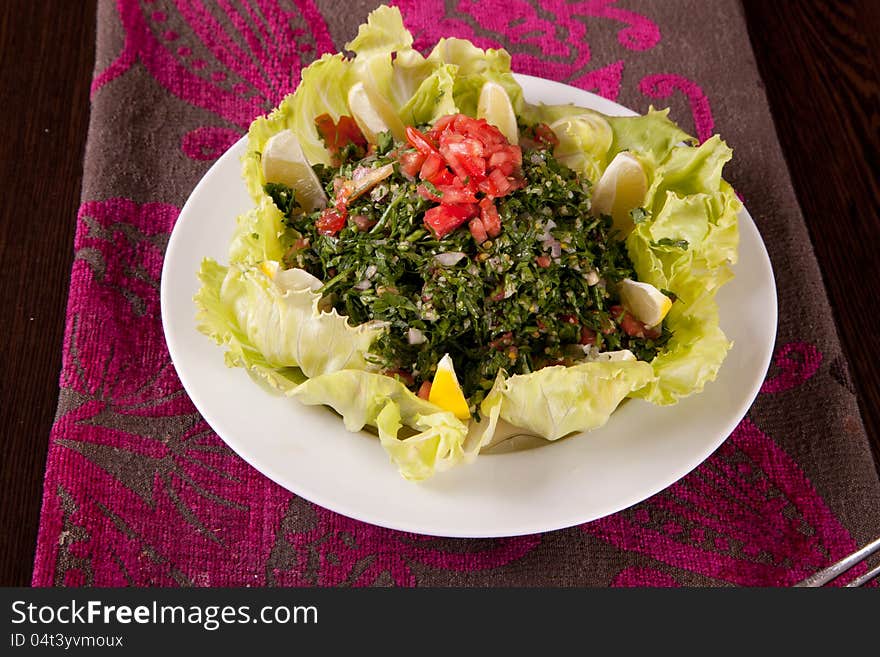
[[284, 162], [584, 142], [494, 106], [445, 391], [373, 114], [621, 188], [646, 303]]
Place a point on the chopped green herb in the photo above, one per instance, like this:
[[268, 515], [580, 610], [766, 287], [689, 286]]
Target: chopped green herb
[[518, 302]]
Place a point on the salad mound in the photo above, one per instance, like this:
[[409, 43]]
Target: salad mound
[[430, 255]]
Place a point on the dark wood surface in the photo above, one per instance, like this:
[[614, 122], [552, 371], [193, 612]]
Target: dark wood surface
[[820, 63]]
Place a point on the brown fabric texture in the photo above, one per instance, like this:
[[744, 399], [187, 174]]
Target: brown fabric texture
[[793, 489]]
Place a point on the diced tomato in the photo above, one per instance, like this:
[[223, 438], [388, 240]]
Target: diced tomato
[[503, 341], [418, 141], [653, 332], [337, 135], [330, 222], [632, 327], [348, 132], [588, 335], [431, 167], [452, 194], [425, 390], [441, 124], [363, 222], [545, 135], [616, 312], [411, 163], [442, 177], [327, 128], [443, 219], [462, 157], [448, 194], [406, 377], [543, 261], [478, 230], [490, 218]]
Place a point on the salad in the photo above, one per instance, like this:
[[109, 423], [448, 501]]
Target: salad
[[430, 255]]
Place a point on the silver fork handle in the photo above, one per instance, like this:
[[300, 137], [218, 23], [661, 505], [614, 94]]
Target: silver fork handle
[[834, 570]]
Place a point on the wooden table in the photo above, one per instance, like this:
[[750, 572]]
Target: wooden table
[[819, 60]]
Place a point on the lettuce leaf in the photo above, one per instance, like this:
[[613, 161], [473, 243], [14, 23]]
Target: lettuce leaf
[[271, 319], [259, 235], [216, 319], [556, 401], [475, 67], [433, 98], [368, 398], [689, 203]]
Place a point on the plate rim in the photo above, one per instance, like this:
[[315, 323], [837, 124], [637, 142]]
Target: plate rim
[[572, 519]]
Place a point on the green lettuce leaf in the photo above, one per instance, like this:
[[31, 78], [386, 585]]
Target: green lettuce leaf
[[216, 319], [435, 439], [556, 401], [260, 235], [272, 318], [475, 67], [686, 245], [368, 398], [433, 98], [382, 33]]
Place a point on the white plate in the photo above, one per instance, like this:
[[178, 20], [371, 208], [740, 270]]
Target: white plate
[[640, 451]]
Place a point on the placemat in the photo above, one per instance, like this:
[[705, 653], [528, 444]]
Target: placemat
[[138, 489]]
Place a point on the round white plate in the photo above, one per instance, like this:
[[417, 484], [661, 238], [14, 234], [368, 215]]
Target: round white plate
[[640, 451]]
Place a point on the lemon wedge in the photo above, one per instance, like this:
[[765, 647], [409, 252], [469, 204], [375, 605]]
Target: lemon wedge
[[646, 303], [445, 391], [584, 142], [373, 114], [494, 106], [621, 188], [284, 162]]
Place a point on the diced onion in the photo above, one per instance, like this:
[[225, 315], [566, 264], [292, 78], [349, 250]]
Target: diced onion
[[415, 336], [449, 258]]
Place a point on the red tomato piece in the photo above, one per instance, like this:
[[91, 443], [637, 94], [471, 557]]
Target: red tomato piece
[[588, 335], [490, 218], [411, 163], [464, 156], [443, 177], [478, 231], [418, 141], [427, 194], [330, 222], [327, 129], [363, 222], [337, 135], [454, 194], [425, 390], [502, 185], [406, 377], [348, 132], [443, 219], [543, 261], [545, 135], [632, 327], [431, 167]]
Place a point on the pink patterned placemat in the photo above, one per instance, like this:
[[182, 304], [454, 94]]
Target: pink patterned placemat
[[138, 489]]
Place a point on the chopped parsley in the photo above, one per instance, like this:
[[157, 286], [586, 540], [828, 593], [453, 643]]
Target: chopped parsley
[[522, 301]]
